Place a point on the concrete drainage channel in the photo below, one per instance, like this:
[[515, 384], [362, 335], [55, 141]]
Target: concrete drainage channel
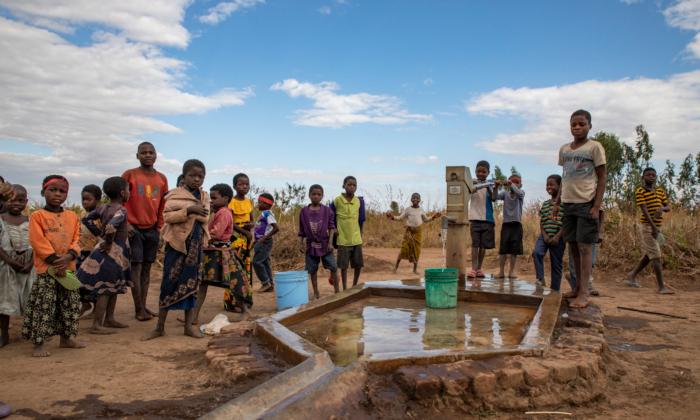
[[381, 333]]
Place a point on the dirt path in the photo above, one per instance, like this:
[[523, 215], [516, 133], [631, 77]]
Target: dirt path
[[119, 375]]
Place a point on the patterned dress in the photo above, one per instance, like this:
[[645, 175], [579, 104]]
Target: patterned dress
[[106, 273], [15, 287], [182, 272], [242, 213], [51, 309]]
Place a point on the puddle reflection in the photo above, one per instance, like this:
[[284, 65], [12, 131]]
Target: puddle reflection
[[384, 325]]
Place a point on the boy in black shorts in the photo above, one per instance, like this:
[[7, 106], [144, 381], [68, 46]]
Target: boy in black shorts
[[581, 194], [145, 213], [481, 219]]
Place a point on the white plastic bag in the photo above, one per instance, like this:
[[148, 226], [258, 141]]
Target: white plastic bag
[[215, 325]]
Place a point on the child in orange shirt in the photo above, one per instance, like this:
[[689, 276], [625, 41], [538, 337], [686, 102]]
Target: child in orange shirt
[[53, 234]]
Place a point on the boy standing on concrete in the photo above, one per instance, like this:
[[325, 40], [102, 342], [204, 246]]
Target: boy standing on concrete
[[583, 186]]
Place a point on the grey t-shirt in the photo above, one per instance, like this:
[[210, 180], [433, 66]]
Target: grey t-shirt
[[512, 203]]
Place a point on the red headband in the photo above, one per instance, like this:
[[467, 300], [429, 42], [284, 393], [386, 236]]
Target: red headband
[[53, 181], [266, 200]]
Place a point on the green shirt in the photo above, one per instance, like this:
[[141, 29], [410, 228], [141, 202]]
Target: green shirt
[[347, 214], [549, 224]]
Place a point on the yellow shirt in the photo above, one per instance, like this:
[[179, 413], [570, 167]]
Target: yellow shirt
[[242, 210]]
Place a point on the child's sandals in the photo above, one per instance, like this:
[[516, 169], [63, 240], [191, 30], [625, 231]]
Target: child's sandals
[[480, 273]]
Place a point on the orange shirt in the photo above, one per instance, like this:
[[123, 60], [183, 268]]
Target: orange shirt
[[53, 233], [145, 206]]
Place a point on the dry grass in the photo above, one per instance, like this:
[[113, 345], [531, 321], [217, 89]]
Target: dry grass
[[620, 249]]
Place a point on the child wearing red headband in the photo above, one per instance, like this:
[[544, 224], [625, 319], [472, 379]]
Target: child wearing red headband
[[265, 227], [511, 230], [53, 234]]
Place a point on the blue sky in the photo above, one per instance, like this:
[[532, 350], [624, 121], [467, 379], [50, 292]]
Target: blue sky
[[310, 91]]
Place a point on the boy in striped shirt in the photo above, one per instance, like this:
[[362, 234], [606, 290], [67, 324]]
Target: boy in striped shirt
[[551, 238], [653, 202]]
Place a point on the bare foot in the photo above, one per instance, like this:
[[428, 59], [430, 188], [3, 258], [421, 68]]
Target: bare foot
[[113, 323], [513, 276], [666, 291], [499, 276], [143, 316], [193, 332], [570, 295], [151, 313], [86, 306], [71, 343], [100, 331], [39, 351], [415, 271], [579, 303], [153, 334]]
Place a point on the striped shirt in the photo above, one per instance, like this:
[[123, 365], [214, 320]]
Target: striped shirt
[[654, 200], [549, 224]]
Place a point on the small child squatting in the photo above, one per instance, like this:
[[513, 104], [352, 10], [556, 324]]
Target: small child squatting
[[413, 236]]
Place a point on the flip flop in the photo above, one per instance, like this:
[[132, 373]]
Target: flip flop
[[480, 273], [69, 281], [471, 274]]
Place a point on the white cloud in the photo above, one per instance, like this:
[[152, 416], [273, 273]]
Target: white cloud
[[685, 14], [667, 107], [631, 1], [158, 22], [428, 82], [224, 9], [84, 107], [325, 10], [331, 109]]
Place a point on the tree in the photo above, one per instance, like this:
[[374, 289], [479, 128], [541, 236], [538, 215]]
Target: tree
[[498, 173], [687, 183], [665, 180], [645, 150], [614, 157]]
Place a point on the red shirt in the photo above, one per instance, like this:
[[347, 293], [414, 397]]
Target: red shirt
[[145, 205]]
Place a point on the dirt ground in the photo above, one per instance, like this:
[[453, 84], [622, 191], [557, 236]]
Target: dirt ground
[[655, 359]]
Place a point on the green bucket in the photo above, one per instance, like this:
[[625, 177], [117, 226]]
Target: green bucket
[[441, 288]]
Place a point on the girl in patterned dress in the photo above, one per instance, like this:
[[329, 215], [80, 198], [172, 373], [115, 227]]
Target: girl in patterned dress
[[242, 208], [185, 235], [16, 265], [106, 272], [53, 235]]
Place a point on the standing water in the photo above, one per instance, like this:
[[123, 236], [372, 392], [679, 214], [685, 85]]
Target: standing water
[[443, 239]]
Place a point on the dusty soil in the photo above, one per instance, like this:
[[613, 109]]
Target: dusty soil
[[120, 376]]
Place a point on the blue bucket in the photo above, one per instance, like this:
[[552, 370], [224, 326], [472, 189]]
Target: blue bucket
[[291, 289]]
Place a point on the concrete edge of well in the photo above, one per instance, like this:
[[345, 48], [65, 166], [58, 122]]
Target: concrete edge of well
[[313, 363]]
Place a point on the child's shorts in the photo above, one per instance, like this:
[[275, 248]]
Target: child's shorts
[[144, 245], [511, 239], [350, 256], [650, 245], [483, 234], [313, 262], [578, 224]]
